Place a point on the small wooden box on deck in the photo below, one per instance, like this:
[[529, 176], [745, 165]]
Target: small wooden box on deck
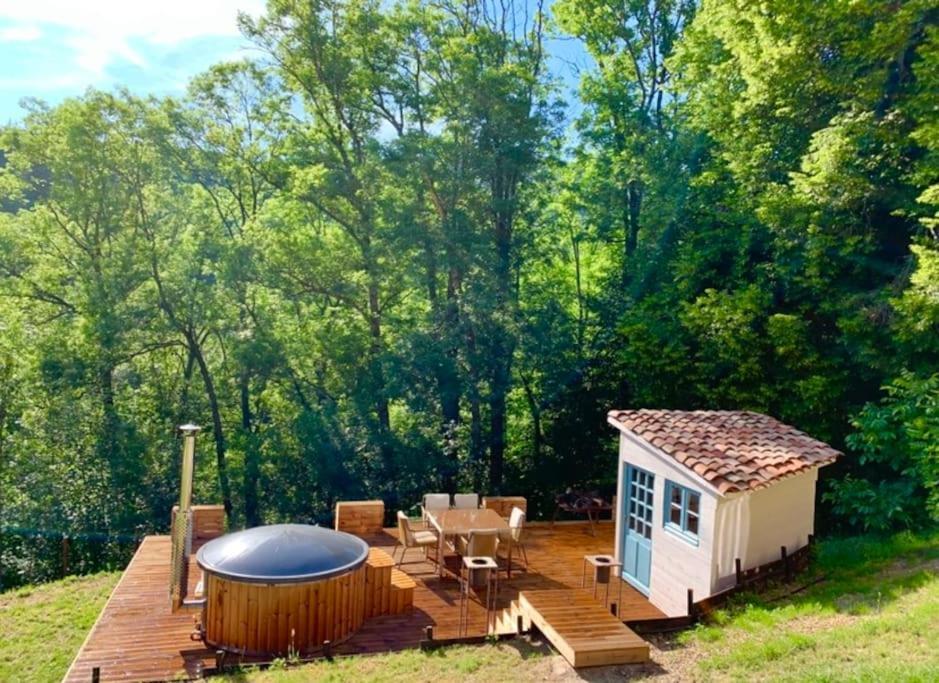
[[360, 517], [208, 521], [503, 504]]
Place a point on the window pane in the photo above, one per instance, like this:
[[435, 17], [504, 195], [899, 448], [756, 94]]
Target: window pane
[[674, 515], [694, 501], [675, 495], [692, 525]]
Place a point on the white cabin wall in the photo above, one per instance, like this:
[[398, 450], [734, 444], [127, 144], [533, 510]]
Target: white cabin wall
[[783, 514], [677, 564], [754, 526]]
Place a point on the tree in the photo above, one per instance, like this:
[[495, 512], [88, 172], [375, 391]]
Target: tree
[[629, 129]]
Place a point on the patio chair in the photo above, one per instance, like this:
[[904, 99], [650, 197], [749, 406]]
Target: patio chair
[[517, 526], [466, 501], [412, 538], [480, 543], [434, 501]]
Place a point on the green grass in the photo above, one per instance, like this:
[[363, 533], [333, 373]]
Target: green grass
[[875, 617], [510, 661], [42, 627]]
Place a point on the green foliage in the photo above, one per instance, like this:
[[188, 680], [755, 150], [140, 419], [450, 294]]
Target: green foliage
[[370, 264], [897, 441]]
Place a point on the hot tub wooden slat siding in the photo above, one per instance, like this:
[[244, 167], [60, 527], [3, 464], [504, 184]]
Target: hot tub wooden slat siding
[[257, 618]]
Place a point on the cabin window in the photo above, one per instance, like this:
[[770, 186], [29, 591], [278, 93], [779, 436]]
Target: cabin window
[[683, 511]]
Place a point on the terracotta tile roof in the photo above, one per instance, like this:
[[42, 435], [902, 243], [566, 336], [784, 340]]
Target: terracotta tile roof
[[733, 450]]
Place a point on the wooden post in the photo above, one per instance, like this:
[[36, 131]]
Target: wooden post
[[519, 624], [738, 570], [328, 649], [65, 549], [691, 604], [219, 660], [787, 570], [96, 675], [428, 633]]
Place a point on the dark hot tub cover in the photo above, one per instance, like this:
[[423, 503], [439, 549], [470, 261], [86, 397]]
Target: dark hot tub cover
[[282, 553]]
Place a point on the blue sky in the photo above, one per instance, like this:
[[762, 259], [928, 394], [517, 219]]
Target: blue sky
[[52, 49]]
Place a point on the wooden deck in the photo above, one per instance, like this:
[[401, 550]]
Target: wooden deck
[[137, 638]]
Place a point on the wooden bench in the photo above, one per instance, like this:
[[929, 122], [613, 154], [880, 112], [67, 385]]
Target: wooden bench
[[360, 517]]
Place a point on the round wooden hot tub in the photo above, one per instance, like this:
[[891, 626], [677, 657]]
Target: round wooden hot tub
[[282, 589]]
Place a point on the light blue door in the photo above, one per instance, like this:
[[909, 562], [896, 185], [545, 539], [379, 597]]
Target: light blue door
[[637, 534]]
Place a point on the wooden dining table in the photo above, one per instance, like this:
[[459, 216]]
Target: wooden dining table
[[453, 523]]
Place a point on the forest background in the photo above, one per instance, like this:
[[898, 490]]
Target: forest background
[[386, 257]]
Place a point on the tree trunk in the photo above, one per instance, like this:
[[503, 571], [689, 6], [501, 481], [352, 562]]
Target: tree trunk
[[183, 414], [252, 457], [581, 301], [448, 383], [378, 375], [477, 448], [497, 415], [477, 445], [535, 410], [633, 196], [381, 395], [502, 351], [444, 322], [218, 432]]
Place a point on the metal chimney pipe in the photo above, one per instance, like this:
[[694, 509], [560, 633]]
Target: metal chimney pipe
[[182, 523]]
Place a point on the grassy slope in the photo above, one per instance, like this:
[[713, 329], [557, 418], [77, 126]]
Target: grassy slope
[[42, 627], [875, 617]]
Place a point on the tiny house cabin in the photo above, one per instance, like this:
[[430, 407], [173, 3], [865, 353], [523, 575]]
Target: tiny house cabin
[[700, 489]]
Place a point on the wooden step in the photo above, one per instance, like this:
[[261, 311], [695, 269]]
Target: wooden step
[[401, 597], [581, 629]]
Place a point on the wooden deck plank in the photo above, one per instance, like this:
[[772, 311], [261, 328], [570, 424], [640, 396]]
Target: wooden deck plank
[[137, 638]]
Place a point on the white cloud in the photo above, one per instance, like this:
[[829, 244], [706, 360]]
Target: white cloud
[[20, 34], [101, 31]]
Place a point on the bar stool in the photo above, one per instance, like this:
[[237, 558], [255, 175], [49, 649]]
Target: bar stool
[[468, 567], [602, 566]]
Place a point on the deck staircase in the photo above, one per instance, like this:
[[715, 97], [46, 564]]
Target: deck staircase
[[507, 620], [579, 627]]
